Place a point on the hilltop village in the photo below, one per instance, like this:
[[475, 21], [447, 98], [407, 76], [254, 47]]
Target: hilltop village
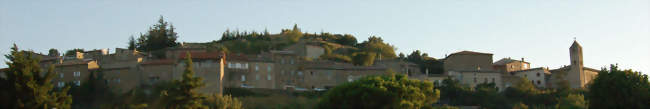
[[301, 66]]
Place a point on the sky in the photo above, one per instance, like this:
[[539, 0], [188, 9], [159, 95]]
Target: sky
[[541, 31]]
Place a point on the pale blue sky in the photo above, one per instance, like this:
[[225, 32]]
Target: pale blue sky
[[610, 31]]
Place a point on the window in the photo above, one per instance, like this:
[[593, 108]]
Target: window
[[492, 80], [282, 61], [268, 68], [539, 82], [245, 65], [77, 74], [329, 75], [312, 73], [237, 65], [537, 74], [291, 61], [268, 76], [257, 68], [61, 84], [230, 65], [60, 75], [485, 80], [475, 80], [117, 80], [243, 78], [299, 73], [257, 76], [77, 82]]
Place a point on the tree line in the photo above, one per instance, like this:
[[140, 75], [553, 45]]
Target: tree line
[[611, 89]]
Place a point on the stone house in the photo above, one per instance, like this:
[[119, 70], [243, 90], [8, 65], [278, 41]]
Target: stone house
[[473, 78], [537, 76], [506, 65], [468, 60], [73, 72]]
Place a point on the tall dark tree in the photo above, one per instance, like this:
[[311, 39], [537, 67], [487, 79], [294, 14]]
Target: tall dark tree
[[132, 43], [53, 52], [619, 89], [28, 87], [426, 63], [187, 97], [159, 36], [73, 51], [93, 92]]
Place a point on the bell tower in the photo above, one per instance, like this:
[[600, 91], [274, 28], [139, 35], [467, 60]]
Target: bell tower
[[576, 74]]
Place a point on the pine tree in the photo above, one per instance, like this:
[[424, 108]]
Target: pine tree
[[28, 87], [158, 37], [187, 97], [132, 43], [53, 52]]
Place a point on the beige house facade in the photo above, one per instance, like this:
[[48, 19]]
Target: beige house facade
[[536, 76]]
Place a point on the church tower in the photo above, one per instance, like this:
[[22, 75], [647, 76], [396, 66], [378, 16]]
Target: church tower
[[576, 74]]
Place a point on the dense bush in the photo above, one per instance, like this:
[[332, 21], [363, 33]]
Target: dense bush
[[379, 92]]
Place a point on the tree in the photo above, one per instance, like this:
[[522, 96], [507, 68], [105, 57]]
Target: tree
[[53, 52], [187, 97], [487, 96], [380, 92], [520, 106], [522, 91], [364, 58], [524, 85], [425, 62], [347, 39], [572, 101], [218, 101], [562, 84], [132, 43], [28, 87], [619, 89], [377, 45], [454, 93], [92, 93], [295, 34], [159, 36], [73, 51]]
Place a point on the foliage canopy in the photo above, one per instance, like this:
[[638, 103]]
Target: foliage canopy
[[381, 92]]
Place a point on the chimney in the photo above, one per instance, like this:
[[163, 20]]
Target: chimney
[[522, 60]]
